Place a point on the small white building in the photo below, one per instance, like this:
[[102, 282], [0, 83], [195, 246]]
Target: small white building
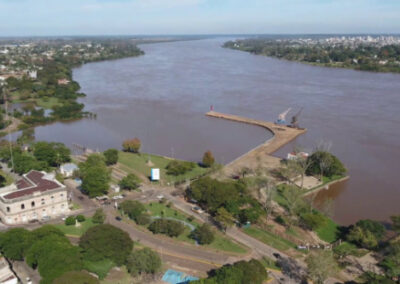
[[68, 169], [295, 156]]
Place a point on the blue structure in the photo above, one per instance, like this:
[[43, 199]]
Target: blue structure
[[177, 277]]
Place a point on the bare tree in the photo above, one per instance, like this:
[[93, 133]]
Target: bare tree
[[266, 191], [325, 161]]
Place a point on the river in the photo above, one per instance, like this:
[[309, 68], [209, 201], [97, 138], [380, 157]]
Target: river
[[162, 96]]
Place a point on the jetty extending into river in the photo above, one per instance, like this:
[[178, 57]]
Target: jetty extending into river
[[261, 155]]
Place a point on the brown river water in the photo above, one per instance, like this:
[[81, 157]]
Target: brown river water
[[162, 96]]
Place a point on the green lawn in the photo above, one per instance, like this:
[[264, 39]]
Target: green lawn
[[139, 163], [220, 242], [269, 263], [328, 232], [269, 238], [76, 231], [48, 103], [100, 268]]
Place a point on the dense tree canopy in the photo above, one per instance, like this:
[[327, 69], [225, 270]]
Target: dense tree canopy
[[14, 243], [106, 242], [366, 233], [203, 234], [95, 176], [325, 164], [54, 154], [170, 228], [143, 261]]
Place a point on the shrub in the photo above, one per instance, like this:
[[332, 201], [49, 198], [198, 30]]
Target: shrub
[[143, 219], [281, 220], [177, 168], [80, 218], [170, 228], [203, 234], [99, 216], [143, 261], [70, 221]]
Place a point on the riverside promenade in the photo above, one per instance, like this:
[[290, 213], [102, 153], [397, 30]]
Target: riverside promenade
[[261, 155]]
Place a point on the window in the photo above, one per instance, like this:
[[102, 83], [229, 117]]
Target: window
[[52, 197], [22, 206], [33, 204], [8, 209], [61, 195], [43, 201]]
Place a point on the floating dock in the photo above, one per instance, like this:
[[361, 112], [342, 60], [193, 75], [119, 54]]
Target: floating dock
[[261, 155]]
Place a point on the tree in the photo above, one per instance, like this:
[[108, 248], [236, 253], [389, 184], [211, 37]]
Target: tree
[[170, 228], [132, 145], [14, 242], [99, 216], [291, 171], [324, 163], [208, 159], [245, 171], [224, 218], [76, 277], [143, 261], [361, 237], [130, 182], [53, 154], [24, 162], [111, 156], [132, 208], [391, 261], [321, 265], [313, 220], [203, 234], [95, 176], [266, 192], [106, 242], [294, 201], [80, 218], [240, 272]]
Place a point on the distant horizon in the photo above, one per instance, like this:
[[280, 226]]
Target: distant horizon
[[197, 17], [197, 35]]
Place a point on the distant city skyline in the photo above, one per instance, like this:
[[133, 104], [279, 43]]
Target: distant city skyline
[[165, 17]]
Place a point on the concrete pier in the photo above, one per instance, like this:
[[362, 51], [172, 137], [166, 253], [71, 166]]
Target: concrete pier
[[261, 155]]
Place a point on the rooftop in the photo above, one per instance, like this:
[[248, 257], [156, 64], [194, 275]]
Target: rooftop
[[33, 182]]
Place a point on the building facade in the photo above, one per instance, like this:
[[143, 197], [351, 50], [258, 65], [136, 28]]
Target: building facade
[[36, 196]]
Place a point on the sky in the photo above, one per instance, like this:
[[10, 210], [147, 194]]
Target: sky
[[163, 17]]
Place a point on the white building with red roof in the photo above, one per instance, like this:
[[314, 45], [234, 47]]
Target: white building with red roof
[[36, 196]]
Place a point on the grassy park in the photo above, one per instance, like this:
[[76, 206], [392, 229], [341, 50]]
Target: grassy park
[[143, 163], [220, 241], [269, 238], [72, 230]]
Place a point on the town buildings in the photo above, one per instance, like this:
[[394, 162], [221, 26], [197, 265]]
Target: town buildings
[[36, 196]]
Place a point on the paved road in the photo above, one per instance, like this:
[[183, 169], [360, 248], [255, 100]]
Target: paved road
[[189, 256]]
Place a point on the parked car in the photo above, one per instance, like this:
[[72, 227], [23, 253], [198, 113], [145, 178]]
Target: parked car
[[197, 209], [160, 196]]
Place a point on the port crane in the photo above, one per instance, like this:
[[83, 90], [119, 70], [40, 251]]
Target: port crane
[[295, 119], [282, 117]]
